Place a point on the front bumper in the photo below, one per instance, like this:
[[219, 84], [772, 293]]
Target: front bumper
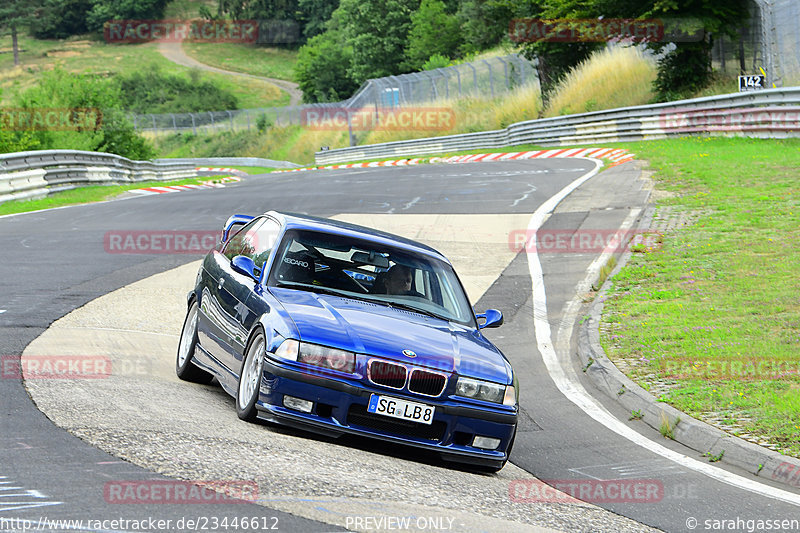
[[340, 407]]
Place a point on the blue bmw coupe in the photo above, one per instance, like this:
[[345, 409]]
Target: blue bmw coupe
[[337, 328]]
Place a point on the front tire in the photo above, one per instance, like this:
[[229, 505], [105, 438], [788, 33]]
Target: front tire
[[184, 367], [250, 378]]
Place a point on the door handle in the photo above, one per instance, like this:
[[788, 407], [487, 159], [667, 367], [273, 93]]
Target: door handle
[[221, 283]]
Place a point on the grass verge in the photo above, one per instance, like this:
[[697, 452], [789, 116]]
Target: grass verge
[[84, 195], [264, 61], [710, 321]]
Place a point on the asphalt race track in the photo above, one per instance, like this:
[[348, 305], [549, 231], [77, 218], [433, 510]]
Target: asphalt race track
[[150, 427]]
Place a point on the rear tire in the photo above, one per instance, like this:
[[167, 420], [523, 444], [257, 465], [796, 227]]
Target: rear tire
[[184, 365], [250, 378]]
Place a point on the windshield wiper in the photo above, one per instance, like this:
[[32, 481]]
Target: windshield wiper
[[310, 288], [413, 309]]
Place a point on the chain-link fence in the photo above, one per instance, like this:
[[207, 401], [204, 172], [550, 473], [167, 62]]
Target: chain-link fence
[[769, 41], [485, 78]]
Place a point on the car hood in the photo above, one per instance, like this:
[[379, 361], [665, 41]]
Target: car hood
[[369, 328]]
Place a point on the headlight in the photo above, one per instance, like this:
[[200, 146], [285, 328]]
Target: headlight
[[314, 354], [482, 390], [487, 391]]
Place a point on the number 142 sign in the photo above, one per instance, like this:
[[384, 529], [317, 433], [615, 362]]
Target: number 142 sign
[[752, 83]]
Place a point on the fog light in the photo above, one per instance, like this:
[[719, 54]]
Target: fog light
[[486, 443], [299, 404]]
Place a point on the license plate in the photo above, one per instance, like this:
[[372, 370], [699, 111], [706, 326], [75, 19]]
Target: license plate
[[403, 409]]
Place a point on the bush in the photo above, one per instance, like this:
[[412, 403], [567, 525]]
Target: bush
[[263, 122], [683, 71], [113, 133], [153, 91], [436, 61]]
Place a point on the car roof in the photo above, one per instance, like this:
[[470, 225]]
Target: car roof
[[301, 221]]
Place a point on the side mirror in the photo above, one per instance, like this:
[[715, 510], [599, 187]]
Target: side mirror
[[492, 319], [244, 265]]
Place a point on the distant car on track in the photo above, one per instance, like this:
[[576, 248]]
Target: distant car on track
[[306, 323]]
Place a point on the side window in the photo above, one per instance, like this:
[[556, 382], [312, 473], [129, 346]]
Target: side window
[[254, 240], [242, 243]]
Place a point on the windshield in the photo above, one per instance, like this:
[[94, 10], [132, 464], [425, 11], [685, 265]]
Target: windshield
[[322, 262]]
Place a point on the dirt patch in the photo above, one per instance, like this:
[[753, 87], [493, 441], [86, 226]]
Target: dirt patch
[[63, 53]]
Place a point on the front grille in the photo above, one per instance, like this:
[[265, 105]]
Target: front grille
[[387, 374], [358, 416], [427, 383]]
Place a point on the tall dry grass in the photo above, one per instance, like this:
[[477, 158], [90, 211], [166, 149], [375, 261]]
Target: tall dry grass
[[609, 78], [471, 114]]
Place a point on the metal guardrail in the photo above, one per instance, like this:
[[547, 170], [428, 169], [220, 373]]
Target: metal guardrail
[[772, 113], [34, 174], [231, 161]]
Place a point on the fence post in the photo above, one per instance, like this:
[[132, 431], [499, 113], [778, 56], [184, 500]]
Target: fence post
[[474, 77], [194, 125], [443, 73], [458, 77], [433, 84], [505, 72], [491, 78], [174, 124]]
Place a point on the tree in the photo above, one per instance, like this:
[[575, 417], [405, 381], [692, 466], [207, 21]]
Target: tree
[[314, 14], [62, 18], [556, 59], [16, 14], [686, 66], [104, 10], [377, 31], [433, 32], [322, 68]]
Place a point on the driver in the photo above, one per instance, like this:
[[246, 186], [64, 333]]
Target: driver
[[398, 280]]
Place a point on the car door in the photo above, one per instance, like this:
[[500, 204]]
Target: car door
[[248, 307], [219, 326]]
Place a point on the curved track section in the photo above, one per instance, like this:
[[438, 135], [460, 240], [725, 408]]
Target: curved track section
[[144, 424]]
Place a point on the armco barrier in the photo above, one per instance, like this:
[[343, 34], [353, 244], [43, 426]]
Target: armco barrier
[[35, 174], [772, 113], [231, 161]]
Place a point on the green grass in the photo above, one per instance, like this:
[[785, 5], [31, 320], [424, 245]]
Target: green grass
[[254, 170], [264, 61], [97, 57], [84, 195], [723, 289]]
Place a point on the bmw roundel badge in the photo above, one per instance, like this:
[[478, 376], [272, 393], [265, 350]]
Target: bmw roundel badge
[[409, 353]]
